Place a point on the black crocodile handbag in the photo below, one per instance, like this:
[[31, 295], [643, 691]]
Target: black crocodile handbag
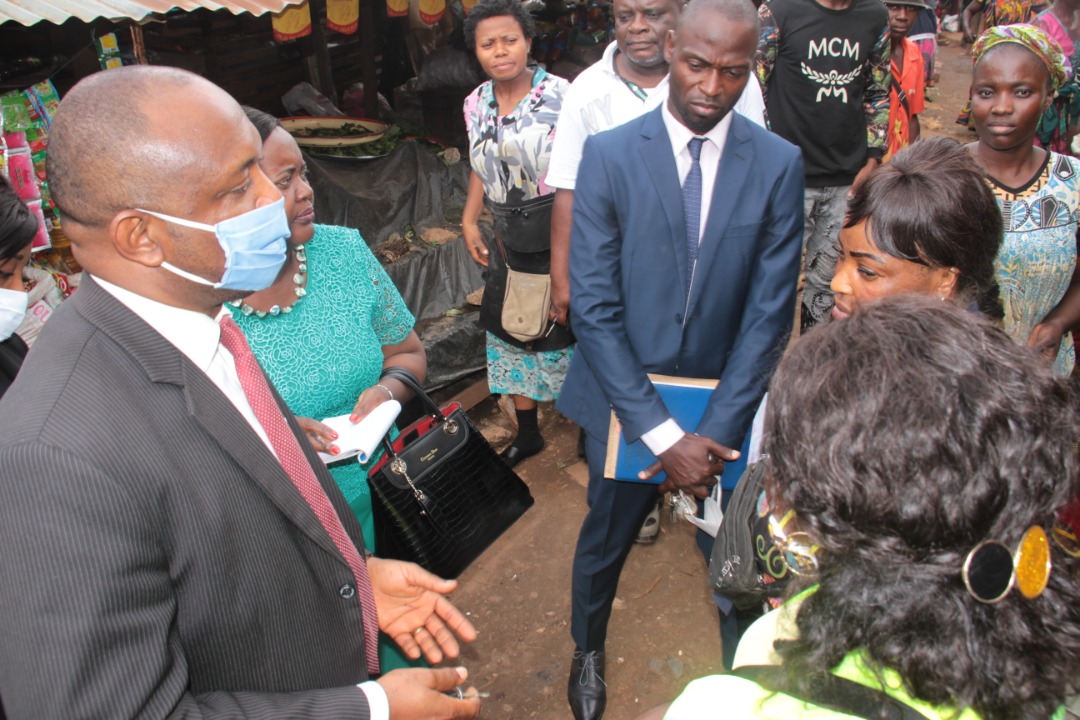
[[441, 494]]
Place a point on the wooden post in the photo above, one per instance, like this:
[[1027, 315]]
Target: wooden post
[[138, 43], [368, 73], [321, 52]]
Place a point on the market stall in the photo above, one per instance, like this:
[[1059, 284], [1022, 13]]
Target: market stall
[[407, 206]]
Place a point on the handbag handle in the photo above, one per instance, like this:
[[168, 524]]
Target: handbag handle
[[409, 380], [406, 378]]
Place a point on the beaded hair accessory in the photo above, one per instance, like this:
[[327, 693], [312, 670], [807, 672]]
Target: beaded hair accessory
[[991, 569]]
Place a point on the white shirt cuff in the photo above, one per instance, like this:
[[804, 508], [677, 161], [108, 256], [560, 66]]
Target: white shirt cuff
[[378, 704], [663, 436]]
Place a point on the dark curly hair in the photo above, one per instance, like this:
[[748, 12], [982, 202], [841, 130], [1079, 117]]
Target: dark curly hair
[[931, 205], [497, 8], [902, 437], [17, 224]]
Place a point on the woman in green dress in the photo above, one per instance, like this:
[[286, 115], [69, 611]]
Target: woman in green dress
[[328, 327]]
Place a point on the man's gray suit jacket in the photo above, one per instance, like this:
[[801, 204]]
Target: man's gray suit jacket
[[158, 562]]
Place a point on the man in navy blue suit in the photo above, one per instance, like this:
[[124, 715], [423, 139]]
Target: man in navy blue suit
[[687, 235]]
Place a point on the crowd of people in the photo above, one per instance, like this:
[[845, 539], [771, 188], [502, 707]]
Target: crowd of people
[[175, 547]]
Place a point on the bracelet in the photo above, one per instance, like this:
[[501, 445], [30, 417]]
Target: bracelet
[[385, 389]]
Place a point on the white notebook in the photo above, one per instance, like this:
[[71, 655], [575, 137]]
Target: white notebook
[[360, 439]]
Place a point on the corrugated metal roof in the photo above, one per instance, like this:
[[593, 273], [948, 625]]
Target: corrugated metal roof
[[29, 12]]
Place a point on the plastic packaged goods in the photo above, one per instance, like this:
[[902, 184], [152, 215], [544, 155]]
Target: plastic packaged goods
[[44, 100], [3, 148], [108, 51], [21, 172], [14, 111], [41, 240]]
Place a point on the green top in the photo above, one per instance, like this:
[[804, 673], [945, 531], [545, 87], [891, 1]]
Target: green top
[[743, 698], [328, 349]]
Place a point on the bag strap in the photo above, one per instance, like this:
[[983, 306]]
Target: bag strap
[[835, 692], [406, 377], [900, 94], [409, 380], [502, 248]]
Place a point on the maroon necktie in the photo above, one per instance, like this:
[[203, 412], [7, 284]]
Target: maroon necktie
[[296, 464]]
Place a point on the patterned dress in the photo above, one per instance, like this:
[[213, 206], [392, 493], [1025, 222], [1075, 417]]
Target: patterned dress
[[1064, 112], [510, 156], [1005, 12], [328, 350], [1038, 253]]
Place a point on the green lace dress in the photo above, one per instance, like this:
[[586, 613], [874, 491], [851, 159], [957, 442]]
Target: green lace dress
[[328, 349]]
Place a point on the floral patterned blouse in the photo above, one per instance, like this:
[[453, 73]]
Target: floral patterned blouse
[[1038, 253], [510, 153]]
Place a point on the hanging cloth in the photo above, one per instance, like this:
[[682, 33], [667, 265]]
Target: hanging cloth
[[291, 23], [432, 11], [343, 16]]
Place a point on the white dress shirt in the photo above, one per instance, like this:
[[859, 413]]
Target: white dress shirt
[[599, 100], [198, 336], [667, 433]]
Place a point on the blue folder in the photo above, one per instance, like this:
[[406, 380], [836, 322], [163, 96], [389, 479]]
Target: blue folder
[[686, 400]]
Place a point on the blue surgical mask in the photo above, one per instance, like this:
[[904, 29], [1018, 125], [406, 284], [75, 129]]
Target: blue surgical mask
[[253, 243]]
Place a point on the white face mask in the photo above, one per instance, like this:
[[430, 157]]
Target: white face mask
[[12, 311]]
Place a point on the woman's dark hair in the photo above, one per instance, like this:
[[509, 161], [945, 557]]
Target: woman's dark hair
[[931, 205], [497, 8], [264, 122], [17, 224], [902, 437]]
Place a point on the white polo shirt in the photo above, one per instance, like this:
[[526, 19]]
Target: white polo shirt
[[599, 100]]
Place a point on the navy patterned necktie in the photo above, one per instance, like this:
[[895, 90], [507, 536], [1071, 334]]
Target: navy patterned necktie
[[691, 194]]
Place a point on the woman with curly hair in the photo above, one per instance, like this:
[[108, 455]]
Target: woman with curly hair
[[914, 485]]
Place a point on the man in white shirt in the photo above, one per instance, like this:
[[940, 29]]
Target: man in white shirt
[[172, 545], [687, 234], [629, 80]]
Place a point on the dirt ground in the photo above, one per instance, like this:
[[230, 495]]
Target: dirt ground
[[664, 630]]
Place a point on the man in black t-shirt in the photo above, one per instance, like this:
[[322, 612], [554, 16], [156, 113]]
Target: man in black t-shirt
[[824, 69]]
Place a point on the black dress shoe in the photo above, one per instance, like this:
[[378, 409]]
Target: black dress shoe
[[513, 454], [586, 690]]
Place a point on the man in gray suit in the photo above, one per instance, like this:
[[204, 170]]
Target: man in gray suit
[[159, 560]]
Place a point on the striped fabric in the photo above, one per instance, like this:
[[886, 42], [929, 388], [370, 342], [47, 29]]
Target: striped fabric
[[158, 562]]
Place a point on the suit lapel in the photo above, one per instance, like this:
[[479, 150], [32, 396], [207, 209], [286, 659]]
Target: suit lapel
[[659, 161], [163, 363], [223, 422], [735, 165]]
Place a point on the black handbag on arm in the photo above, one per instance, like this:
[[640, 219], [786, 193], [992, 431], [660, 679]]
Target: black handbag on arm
[[441, 494]]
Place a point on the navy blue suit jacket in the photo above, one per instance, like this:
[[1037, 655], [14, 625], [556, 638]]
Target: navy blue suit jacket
[[629, 307]]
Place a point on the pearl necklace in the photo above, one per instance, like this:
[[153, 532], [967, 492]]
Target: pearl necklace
[[298, 278]]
